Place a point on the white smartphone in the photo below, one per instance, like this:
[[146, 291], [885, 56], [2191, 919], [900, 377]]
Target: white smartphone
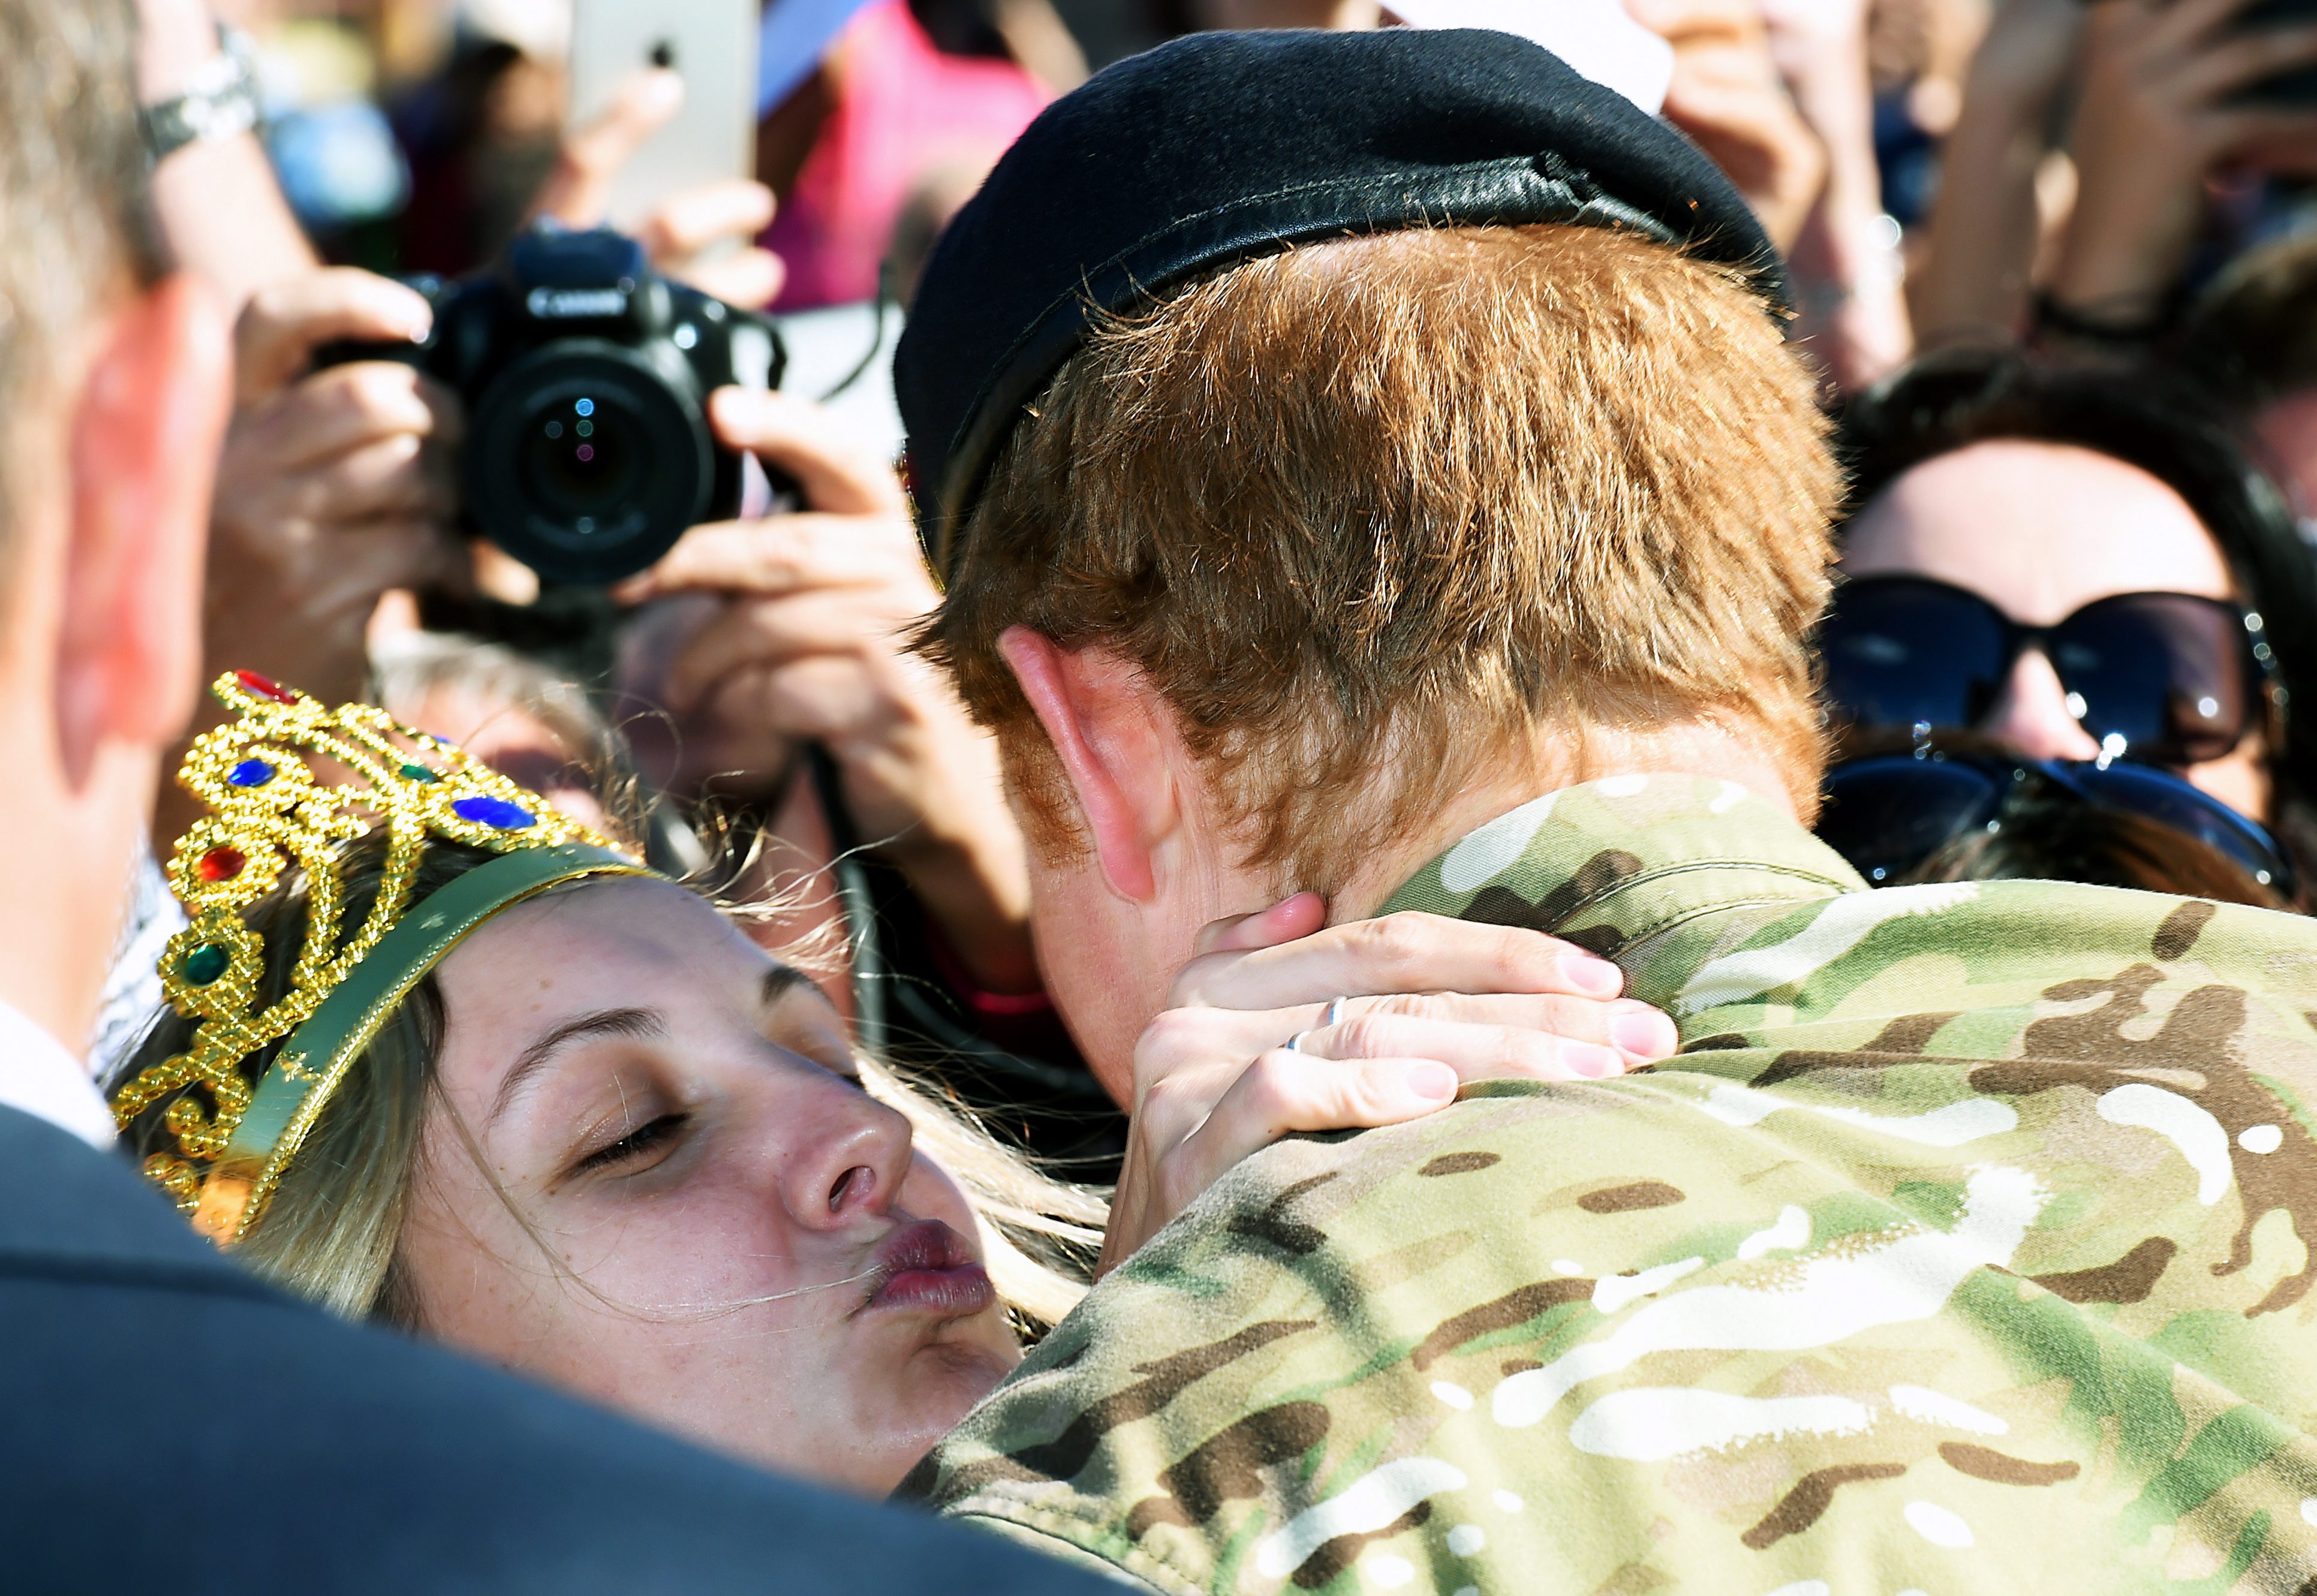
[[1597, 38], [712, 44]]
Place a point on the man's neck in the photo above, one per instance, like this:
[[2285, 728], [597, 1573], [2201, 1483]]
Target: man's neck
[[1690, 750], [72, 849]]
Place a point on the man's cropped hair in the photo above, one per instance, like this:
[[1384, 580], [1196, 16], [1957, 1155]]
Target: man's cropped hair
[[75, 219], [1376, 513]]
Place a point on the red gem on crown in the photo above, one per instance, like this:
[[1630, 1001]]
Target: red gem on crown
[[263, 687], [220, 864]]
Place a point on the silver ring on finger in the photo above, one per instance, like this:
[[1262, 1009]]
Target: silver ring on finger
[[1332, 1013]]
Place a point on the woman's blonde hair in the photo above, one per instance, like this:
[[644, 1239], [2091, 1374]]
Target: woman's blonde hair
[[332, 1230]]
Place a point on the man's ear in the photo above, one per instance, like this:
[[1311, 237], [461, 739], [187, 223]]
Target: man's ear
[[1109, 730], [145, 439]]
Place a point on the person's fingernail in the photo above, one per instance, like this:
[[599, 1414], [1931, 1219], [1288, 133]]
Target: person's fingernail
[[1593, 977], [1644, 1034], [1594, 1062], [1433, 1083], [1305, 908]]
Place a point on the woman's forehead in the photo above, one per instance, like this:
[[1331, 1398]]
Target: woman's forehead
[[2041, 528], [530, 997], [601, 944], [639, 912]]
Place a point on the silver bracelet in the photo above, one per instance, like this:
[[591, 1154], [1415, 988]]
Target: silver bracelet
[[219, 101]]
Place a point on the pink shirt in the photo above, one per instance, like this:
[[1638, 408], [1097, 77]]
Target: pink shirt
[[904, 109]]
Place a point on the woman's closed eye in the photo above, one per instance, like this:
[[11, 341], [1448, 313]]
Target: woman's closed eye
[[637, 1149]]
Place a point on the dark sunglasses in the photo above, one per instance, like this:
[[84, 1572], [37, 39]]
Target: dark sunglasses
[[2167, 678], [1889, 814]]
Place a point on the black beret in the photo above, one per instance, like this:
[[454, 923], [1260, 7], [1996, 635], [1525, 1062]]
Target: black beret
[[1221, 147]]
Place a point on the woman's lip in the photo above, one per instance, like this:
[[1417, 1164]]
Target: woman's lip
[[924, 1267], [951, 1293]]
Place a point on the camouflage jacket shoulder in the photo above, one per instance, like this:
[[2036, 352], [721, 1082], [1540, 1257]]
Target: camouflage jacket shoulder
[[1966, 1247]]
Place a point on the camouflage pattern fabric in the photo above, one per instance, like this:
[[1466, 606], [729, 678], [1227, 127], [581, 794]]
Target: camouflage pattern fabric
[[1965, 1248]]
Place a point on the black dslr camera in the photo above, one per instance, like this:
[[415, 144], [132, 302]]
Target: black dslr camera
[[586, 377]]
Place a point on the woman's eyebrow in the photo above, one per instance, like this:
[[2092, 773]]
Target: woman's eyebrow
[[616, 1022], [780, 981]]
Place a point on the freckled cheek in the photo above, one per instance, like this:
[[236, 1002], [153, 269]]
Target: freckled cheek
[[700, 1254], [477, 1276]]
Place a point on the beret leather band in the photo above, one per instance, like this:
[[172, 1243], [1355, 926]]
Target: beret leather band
[[1221, 147]]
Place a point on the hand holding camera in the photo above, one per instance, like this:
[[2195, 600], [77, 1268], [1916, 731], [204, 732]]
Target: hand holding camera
[[809, 641], [331, 453], [586, 377], [333, 490], [582, 409]]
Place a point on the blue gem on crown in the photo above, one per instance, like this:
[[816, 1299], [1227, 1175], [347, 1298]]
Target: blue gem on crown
[[250, 772], [496, 813]]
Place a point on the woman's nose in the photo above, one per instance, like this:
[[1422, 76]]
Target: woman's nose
[[846, 1155], [2035, 715]]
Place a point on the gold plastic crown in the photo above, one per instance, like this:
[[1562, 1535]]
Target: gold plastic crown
[[263, 775]]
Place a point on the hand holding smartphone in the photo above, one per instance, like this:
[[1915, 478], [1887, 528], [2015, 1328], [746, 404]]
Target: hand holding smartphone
[[711, 45]]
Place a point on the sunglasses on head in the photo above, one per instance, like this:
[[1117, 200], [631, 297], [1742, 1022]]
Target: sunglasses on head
[[1889, 814], [2164, 678]]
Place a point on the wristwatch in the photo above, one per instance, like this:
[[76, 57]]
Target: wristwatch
[[219, 101]]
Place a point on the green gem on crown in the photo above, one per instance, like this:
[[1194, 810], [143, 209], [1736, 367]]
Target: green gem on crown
[[205, 964]]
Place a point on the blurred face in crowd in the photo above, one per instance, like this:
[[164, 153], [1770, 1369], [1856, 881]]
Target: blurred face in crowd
[[513, 739], [660, 1183], [2040, 531], [2287, 432]]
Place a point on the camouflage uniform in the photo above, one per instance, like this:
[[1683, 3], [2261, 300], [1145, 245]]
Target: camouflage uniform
[[1965, 1248]]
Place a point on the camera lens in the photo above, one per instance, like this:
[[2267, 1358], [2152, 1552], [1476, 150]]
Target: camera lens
[[582, 461], [587, 461]]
